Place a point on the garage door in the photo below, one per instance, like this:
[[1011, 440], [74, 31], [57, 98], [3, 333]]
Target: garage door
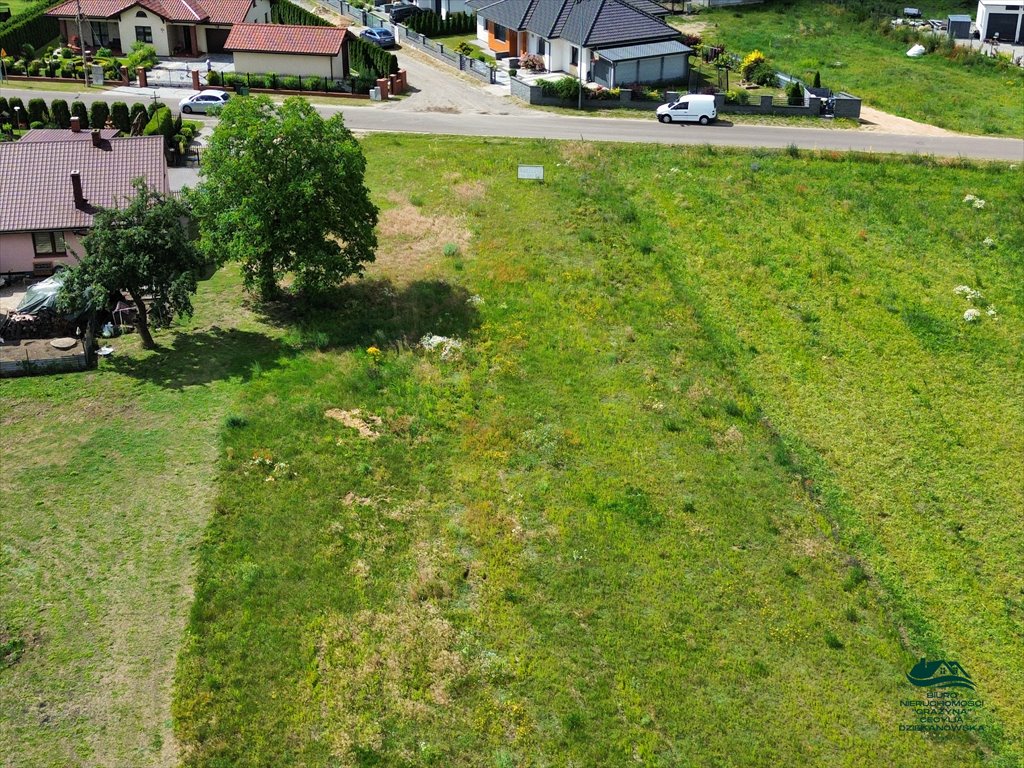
[[215, 39], [1003, 23]]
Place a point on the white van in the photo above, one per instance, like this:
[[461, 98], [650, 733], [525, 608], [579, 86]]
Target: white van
[[693, 107]]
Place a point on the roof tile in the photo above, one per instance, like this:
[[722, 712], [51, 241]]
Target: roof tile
[[286, 38]]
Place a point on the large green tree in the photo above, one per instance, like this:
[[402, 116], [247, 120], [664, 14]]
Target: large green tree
[[144, 248], [283, 192]]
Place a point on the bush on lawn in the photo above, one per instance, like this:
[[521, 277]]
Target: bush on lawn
[[60, 113], [78, 110], [37, 111], [121, 117], [99, 112]]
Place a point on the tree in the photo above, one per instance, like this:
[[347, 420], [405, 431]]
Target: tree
[[98, 114], [78, 110], [119, 115], [283, 191], [817, 80], [60, 113], [142, 248]]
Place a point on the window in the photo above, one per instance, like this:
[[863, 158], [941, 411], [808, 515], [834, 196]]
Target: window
[[100, 33], [140, 15], [540, 46], [144, 34], [49, 243], [575, 60], [500, 33]]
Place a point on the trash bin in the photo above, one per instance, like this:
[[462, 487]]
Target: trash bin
[[242, 90]]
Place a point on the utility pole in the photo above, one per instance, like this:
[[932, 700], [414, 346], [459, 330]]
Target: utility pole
[[81, 41]]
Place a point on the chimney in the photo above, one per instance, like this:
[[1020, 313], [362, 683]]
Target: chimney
[[76, 185], [76, 125], [96, 140]]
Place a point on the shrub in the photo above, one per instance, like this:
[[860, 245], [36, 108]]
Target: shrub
[[737, 96], [565, 88], [104, 53], [153, 107], [121, 117], [31, 26], [17, 104], [764, 75], [78, 110], [312, 83], [794, 93], [4, 105], [99, 112], [290, 83], [817, 80], [161, 124], [532, 61], [142, 55], [137, 109], [37, 111], [37, 124], [34, 67], [751, 62], [370, 60], [60, 113], [213, 78]]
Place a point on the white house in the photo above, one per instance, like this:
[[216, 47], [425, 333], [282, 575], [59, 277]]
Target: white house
[[609, 42], [174, 27], [289, 49]]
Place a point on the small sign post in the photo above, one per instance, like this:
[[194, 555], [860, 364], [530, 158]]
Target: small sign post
[[531, 172]]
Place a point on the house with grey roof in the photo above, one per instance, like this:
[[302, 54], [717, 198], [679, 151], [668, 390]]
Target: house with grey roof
[[53, 182], [609, 42]]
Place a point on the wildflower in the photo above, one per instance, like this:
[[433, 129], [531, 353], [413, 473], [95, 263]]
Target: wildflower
[[988, 242], [991, 311], [972, 315], [969, 198], [475, 300], [372, 351], [979, 203], [967, 292], [450, 348]]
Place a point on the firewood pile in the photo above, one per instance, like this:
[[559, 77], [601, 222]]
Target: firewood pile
[[44, 325]]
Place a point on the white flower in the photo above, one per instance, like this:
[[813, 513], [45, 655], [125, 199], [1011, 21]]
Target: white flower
[[991, 311], [972, 314], [969, 198], [988, 242], [979, 203], [475, 300], [967, 292], [450, 348]]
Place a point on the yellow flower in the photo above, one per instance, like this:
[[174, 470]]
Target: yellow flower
[[372, 351]]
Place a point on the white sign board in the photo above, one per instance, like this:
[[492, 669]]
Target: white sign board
[[531, 172], [97, 76]]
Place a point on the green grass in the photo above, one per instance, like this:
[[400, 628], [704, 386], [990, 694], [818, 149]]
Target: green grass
[[805, 36], [451, 42], [717, 463], [107, 485], [16, 6]]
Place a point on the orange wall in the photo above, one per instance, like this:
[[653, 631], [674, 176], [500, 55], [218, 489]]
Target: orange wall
[[497, 45]]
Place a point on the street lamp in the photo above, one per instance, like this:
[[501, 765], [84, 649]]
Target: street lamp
[[17, 118]]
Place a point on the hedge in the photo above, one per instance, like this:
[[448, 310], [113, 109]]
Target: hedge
[[284, 12], [371, 60], [31, 26], [431, 24]]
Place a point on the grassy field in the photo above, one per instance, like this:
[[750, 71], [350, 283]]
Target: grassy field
[[805, 36], [714, 465]]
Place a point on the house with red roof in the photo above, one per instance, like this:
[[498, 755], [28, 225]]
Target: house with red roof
[[187, 28], [289, 49], [52, 182]]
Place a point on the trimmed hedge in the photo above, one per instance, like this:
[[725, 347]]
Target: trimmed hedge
[[79, 110], [284, 12], [431, 24], [60, 113], [119, 115], [371, 60], [31, 26], [98, 114]]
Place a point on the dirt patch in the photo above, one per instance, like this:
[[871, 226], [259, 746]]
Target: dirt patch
[[358, 421], [691, 27], [411, 242], [577, 153], [468, 191], [883, 122]]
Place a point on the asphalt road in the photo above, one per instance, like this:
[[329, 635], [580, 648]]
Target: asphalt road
[[536, 125]]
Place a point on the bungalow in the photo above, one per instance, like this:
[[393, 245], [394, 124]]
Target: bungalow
[[52, 182], [174, 27], [608, 42], [289, 49]]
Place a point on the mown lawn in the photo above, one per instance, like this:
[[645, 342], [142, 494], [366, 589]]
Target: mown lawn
[[107, 483], [717, 461], [805, 36]]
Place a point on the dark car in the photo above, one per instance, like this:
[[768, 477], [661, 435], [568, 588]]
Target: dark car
[[401, 13], [381, 37]]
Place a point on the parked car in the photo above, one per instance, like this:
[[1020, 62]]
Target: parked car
[[694, 108], [381, 37], [401, 13], [202, 102]]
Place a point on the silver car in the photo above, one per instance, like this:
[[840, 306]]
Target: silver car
[[201, 102]]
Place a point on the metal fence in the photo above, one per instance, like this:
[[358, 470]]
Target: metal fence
[[467, 64], [169, 78]]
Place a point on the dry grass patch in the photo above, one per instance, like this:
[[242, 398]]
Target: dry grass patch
[[411, 242]]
